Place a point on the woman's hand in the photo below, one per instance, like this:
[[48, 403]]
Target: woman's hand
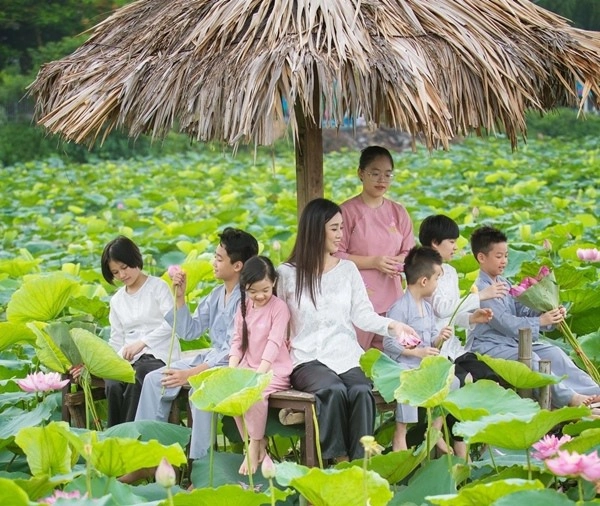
[[392, 266], [406, 335], [76, 371], [494, 291], [131, 350]]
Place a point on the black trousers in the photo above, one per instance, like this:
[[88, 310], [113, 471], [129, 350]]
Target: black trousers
[[123, 398], [345, 407]]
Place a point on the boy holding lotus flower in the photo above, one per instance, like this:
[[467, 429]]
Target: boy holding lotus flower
[[499, 337]]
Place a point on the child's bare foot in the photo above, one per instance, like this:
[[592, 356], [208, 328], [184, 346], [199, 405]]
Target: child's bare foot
[[443, 447], [257, 449], [584, 400], [460, 449]]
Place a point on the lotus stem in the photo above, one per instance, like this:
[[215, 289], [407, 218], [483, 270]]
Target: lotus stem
[[250, 474], [211, 454], [446, 436], [174, 290], [591, 369], [317, 437]]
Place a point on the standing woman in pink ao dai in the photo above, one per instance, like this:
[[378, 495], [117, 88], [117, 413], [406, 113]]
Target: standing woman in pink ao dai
[[378, 233], [260, 343]]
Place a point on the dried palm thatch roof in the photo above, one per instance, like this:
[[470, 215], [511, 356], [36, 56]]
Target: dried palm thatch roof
[[219, 69]]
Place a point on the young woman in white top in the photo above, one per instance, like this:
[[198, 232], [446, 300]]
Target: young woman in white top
[[327, 298], [138, 329]]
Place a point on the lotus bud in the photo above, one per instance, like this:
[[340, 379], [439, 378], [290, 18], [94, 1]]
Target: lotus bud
[[267, 468], [547, 245], [276, 246], [173, 270], [475, 212], [165, 474]]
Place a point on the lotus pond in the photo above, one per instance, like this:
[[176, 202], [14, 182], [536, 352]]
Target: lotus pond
[[55, 219]]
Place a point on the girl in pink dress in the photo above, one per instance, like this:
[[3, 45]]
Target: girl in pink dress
[[260, 343]]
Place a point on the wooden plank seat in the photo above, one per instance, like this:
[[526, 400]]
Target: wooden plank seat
[[298, 404]]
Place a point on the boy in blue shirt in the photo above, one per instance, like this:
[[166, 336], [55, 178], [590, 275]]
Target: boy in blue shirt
[[500, 337], [215, 313], [423, 268]]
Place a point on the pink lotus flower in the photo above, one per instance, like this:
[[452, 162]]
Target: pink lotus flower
[[548, 446], [588, 254], [165, 474], [173, 270], [59, 494], [566, 464], [267, 468], [517, 290], [543, 272], [591, 470], [40, 382], [408, 340]]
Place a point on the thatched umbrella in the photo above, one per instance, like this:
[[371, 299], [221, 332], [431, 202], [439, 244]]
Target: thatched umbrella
[[222, 70]]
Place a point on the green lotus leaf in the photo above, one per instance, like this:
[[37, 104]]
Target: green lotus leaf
[[486, 493], [395, 466], [46, 449], [584, 442], [517, 374], [427, 385], [485, 397], [17, 267], [590, 344], [47, 350], [516, 433], [117, 456], [535, 498], [12, 420], [100, 359], [11, 494], [37, 487], [227, 494], [146, 430], [61, 336], [346, 487], [383, 371], [41, 298], [12, 333], [432, 478], [228, 390]]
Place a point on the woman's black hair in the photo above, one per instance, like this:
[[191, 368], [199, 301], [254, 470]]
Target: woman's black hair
[[124, 250], [370, 153], [308, 253], [255, 269]]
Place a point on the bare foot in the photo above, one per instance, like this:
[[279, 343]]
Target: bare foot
[[460, 449], [257, 449], [584, 400], [443, 447]]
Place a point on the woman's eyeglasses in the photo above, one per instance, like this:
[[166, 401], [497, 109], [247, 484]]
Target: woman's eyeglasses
[[379, 176]]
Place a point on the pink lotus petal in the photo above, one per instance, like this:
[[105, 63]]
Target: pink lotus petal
[[40, 382], [173, 270], [566, 464], [588, 254], [59, 494], [515, 291], [591, 467], [165, 474], [548, 446], [267, 468], [543, 272]]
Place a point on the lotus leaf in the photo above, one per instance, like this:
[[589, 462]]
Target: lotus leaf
[[535, 498], [146, 430], [47, 350], [346, 487], [47, 451], [12, 333], [517, 374], [227, 494], [517, 433], [11, 494], [228, 390], [486, 493], [485, 397], [428, 384], [41, 298], [100, 359], [384, 372]]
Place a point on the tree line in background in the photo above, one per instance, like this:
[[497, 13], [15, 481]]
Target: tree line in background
[[36, 31]]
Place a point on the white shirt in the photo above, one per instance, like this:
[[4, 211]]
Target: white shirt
[[444, 302], [141, 316], [326, 332]]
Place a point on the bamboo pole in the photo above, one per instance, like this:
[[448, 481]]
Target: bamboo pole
[[525, 357], [545, 397]]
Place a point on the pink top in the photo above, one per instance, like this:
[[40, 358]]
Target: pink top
[[384, 231], [267, 337]]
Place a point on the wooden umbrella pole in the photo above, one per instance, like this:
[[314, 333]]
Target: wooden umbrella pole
[[309, 150]]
